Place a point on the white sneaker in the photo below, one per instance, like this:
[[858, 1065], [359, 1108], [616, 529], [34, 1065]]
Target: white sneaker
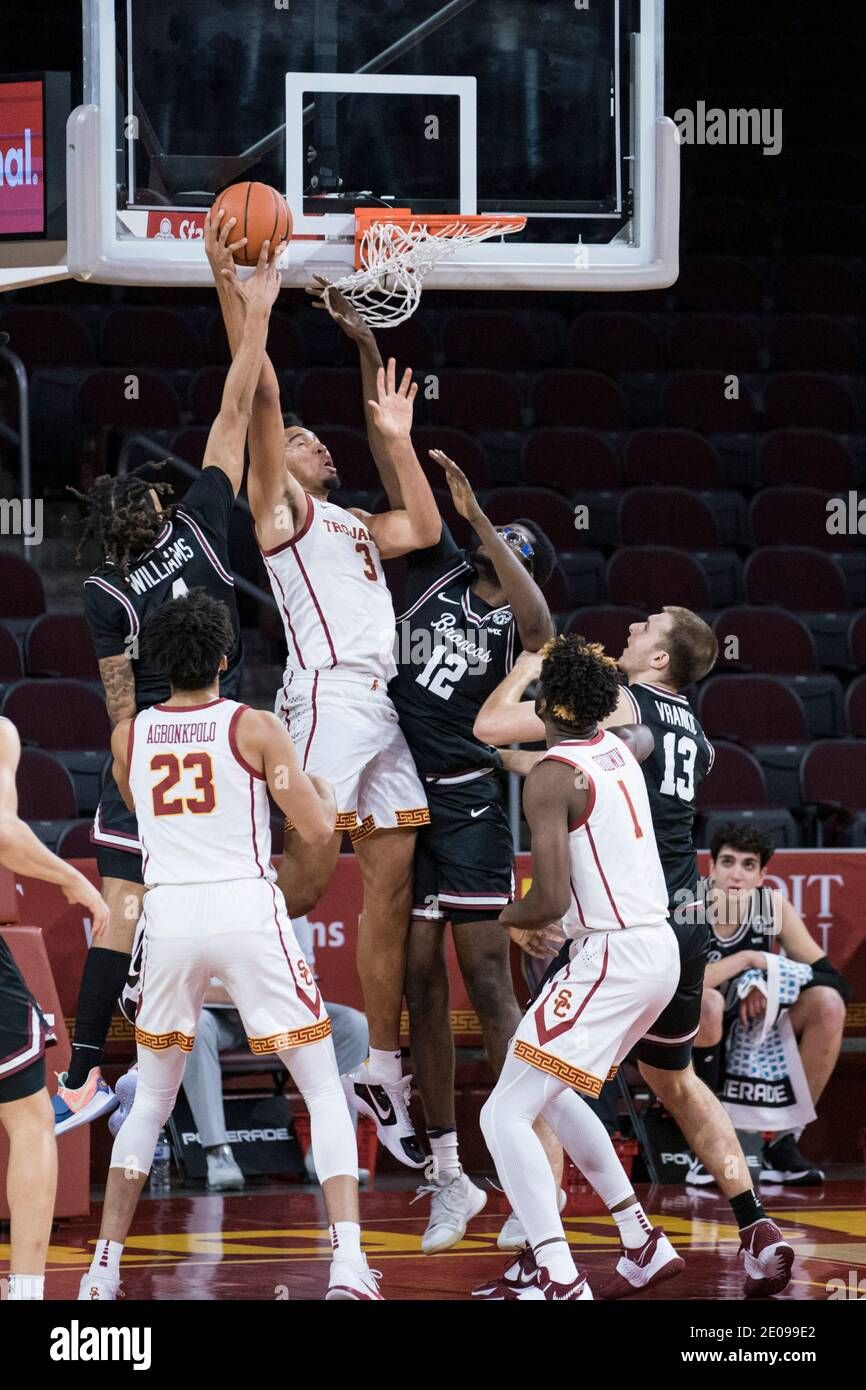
[[654, 1263], [512, 1236], [455, 1201], [223, 1172], [125, 1093], [388, 1107], [352, 1282], [98, 1287]]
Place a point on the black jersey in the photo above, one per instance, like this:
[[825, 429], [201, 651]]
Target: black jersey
[[757, 929], [452, 652], [190, 552], [682, 757]]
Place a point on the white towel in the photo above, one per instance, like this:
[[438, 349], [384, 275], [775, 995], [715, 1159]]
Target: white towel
[[765, 1086]]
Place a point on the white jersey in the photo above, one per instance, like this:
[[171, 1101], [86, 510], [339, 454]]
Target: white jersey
[[328, 585], [616, 874], [203, 813]]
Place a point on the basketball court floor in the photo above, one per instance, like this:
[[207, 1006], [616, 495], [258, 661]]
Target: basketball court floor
[[272, 1244]]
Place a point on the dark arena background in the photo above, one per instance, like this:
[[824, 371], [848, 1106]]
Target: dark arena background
[[685, 419]]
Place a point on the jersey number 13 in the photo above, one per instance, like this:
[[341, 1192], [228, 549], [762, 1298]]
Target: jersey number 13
[[679, 778]]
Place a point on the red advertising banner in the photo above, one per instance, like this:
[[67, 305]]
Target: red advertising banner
[[22, 159], [827, 887]]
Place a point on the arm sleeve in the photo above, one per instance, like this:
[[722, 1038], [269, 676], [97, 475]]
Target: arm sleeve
[[108, 619], [209, 499], [823, 973]]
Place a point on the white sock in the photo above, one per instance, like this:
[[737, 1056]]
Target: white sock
[[634, 1228], [346, 1241], [444, 1148], [557, 1260], [384, 1068], [106, 1259], [26, 1288]]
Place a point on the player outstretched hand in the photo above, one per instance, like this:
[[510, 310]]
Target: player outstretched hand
[[218, 242], [260, 289], [82, 891], [392, 412], [465, 501], [543, 945], [339, 307]]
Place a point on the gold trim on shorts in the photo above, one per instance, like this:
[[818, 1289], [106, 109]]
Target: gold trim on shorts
[[580, 1080], [296, 1037], [360, 832], [158, 1042], [419, 815], [346, 820]]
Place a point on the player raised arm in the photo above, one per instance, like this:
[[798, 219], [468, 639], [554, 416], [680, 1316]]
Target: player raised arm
[[527, 602], [344, 313], [505, 717], [417, 524], [276, 499], [225, 444], [308, 801], [23, 853], [550, 800]]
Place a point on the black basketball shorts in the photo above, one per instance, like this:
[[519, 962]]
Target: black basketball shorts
[[23, 1034], [668, 1044], [115, 835], [464, 858]]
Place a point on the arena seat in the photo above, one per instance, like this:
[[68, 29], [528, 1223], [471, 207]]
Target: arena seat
[[458, 445], [412, 343], [793, 516], [103, 400], [585, 399], [821, 228], [735, 780], [652, 576], [709, 284], [60, 644], [44, 337], [21, 591], [606, 625], [797, 578], [58, 714], [190, 444], [833, 776], [554, 515], [804, 458], [713, 341], [670, 458], [771, 641], [752, 710], [476, 400], [570, 460], [11, 666], [616, 343], [811, 401], [74, 841], [45, 788], [645, 517], [696, 400], [857, 640], [285, 347], [486, 338], [813, 343], [331, 396], [855, 707], [149, 337], [777, 823], [811, 285]]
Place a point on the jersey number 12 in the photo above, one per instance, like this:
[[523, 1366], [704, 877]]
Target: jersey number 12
[[453, 666]]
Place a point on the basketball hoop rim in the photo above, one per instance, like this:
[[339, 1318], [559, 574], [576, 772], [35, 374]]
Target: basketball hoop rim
[[450, 226]]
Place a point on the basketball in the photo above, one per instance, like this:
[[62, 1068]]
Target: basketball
[[262, 215]]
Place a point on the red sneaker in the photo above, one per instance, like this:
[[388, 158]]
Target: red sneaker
[[636, 1270], [578, 1291], [520, 1274], [767, 1257]]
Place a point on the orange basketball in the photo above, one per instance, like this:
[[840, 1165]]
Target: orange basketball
[[262, 215]]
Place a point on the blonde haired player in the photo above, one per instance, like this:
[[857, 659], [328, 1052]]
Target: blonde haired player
[[325, 568]]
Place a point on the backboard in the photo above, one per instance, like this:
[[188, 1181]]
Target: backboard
[[547, 108]]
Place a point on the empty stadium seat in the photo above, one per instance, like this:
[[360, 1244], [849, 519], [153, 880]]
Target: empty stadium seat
[[21, 592], [609, 626], [553, 514], [571, 460], [74, 841], [793, 516], [671, 458], [647, 516], [108, 398], [616, 343], [752, 709], [58, 714], [806, 458], [797, 578], [190, 444], [810, 285], [285, 348], [458, 445], [45, 788], [713, 341], [476, 400], [810, 401], [331, 396], [485, 338], [718, 284], [834, 772], [60, 644], [857, 640], [411, 343], [770, 641], [697, 400], [11, 667], [149, 337], [734, 780], [44, 337], [813, 343], [855, 707], [586, 399], [650, 577]]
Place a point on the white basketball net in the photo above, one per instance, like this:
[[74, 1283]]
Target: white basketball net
[[394, 261]]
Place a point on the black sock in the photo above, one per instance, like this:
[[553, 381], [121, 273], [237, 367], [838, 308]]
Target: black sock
[[104, 976], [747, 1208], [707, 1064]]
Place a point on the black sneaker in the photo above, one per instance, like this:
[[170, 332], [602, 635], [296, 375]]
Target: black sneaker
[[388, 1107], [783, 1163]]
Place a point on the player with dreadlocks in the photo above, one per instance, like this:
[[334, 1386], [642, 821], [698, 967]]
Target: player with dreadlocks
[[595, 865], [150, 553]]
